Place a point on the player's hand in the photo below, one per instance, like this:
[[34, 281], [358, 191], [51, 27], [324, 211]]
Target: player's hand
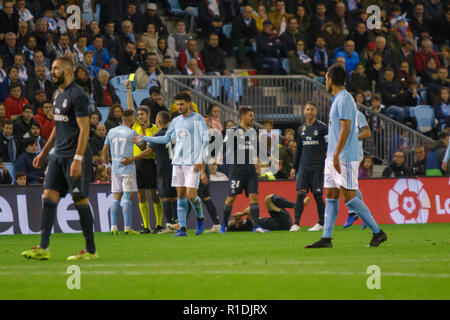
[[444, 166], [204, 178], [126, 161], [293, 173], [337, 163], [128, 85], [137, 139], [75, 169], [38, 161], [197, 167]]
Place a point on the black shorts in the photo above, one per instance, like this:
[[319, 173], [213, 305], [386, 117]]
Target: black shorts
[[146, 173], [243, 180], [277, 221], [310, 179], [58, 176], [203, 189], [164, 188]]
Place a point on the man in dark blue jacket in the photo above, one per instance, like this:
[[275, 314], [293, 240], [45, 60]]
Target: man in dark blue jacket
[[25, 161], [268, 47]]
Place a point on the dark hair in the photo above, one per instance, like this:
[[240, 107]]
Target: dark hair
[[112, 108], [97, 36], [210, 108], [361, 164], [183, 96], [12, 67], [388, 69], [376, 96], [14, 85], [36, 124], [180, 21], [28, 142], [145, 109], [47, 101], [311, 103], [167, 57], [438, 98], [155, 89], [20, 174], [244, 110], [7, 122], [95, 113], [164, 116], [25, 107], [127, 113], [337, 75], [66, 61]]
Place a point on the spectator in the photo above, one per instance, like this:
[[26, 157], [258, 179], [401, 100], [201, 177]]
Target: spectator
[[19, 63], [259, 15], [45, 119], [351, 57], [131, 13], [112, 42], [418, 20], [38, 83], [192, 69], [292, 146], [211, 16], [24, 15], [114, 117], [127, 59], [366, 168], [41, 35], [391, 91], [168, 66], [88, 63], [104, 93], [215, 175], [94, 120], [62, 49], [23, 123], [279, 17], [268, 46], [435, 86], [127, 33], [403, 76], [39, 60], [25, 162], [290, 38], [154, 103], [15, 103], [435, 155], [4, 82], [320, 57], [375, 68], [101, 55], [289, 134], [111, 10], [9, 18], [442, 108], [191, 52], [213, 57], [419, 166], [101, 176], [2, 115], [9, 49], [35, 132], [147, 75], [39, 98], [360, 81], [177, 41], [344, 17], [8, 144], [398, 167], [243, 32], [334, 38], [214, 112], [304, 22], [5, 176], [430, 72], [163, 51], [189, 7], [80, 47], [141, 53], [411, 96], [21, 179], [360, 36], [421, 57], [97, 141], [151, 37], [83, 79], [151, 17], [384, 50], [406, 53], [320, 18], [359, 97], [300, 63]]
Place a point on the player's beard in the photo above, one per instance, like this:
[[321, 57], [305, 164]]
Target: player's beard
[[59, 80]]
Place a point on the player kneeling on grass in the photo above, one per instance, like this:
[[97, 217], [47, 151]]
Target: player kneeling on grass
[[279, 219], [123, 177]]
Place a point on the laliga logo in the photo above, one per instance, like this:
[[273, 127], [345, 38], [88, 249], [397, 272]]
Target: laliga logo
[[409, 202]]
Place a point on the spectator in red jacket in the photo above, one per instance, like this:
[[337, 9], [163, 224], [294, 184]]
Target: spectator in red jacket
[[44, 117], [421, 57], [14, 104], [190, 53]]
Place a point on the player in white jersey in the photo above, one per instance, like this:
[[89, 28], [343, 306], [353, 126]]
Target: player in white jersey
[[119, 143], [341, 165], [192, 138]]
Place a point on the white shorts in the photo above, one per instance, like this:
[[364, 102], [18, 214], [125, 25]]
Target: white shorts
[[123, 183], [184, 176], [347, 179]]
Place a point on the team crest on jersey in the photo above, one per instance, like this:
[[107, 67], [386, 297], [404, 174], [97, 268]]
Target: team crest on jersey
[[183, 134], [304, 128], [64, 105], [241, 131], [315, 132]]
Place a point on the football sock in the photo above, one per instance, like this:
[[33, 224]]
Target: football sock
[[197, 204], [331, 213], [254, 212], [173, 205], [212, 211], [320, 207], [299, 206], [351, 213], [281, 202], [182, 206], [114, 212], [47, 221], [143, 207], [226, 214], [158, 213], [360, 208], [127, 212], [87, 223]]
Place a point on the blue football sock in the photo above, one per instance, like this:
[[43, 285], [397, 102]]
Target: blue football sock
[[182, 207], [127, 212], [331, 213], [360, 208], [197, 204], [114, 212]]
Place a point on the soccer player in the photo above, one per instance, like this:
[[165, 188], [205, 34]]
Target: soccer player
[[145, 165], [243, 175], [123, 177], [279, 219], [341, 165], [70, 167], [364, 133], [309, 162], [192, 138]]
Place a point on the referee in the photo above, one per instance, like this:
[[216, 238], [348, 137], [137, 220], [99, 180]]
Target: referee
[[70, 166], [309, 162]]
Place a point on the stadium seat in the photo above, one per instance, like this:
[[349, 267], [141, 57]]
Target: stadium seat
[[104, 111], [118, 82], [396, 113], [226, 29], [140, 95], [175, 8], [425, 118], [11, 167], [123, 99]]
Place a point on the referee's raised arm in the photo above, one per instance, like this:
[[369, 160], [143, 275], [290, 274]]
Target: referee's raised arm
[[130, 101]]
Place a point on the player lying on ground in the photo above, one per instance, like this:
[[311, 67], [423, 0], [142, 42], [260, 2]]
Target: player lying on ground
[[279, 219]]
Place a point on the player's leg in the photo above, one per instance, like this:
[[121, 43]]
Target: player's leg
[[276, 203], [182, 207], [210, 206], [117, 196], [127, 209], [254, 211], [192, 181], [317, 191], [303, 184], [352, 217], [157, 205], [143, 208], [227, 208]]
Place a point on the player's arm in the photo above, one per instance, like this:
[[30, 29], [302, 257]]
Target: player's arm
[[83, 125], [343, 136], [365, 134], [38, 161], [130, 101], [140, 156], [202, 139], [105, 153]]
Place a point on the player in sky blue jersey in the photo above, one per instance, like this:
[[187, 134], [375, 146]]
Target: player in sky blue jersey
[[191, 137], [341, 165], [123, 177]]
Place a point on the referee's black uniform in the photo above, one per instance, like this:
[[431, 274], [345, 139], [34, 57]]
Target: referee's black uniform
[[309, 162]]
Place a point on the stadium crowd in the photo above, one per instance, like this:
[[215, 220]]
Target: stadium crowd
[[403, 64]]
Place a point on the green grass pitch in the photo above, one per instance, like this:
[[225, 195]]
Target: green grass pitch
[[414, 264]]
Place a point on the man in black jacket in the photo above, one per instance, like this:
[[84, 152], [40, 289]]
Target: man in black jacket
[[9, 18], [154, 102], [391, 91], [214, 57], [290, 37], [23, 124], [127, 59], [38, 83], [112, 41], [9, 49], [97, 140], [419, 166], [151, 16], [268, 46], [243, 33], [398, 167], [435, 86]]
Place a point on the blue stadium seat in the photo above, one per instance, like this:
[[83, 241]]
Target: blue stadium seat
[[140, 95], [286, 65], [424, 116], [226, 29], [11, 167], [104, 111], [123, 99], [175, 7], [396, 113], [118, 82]]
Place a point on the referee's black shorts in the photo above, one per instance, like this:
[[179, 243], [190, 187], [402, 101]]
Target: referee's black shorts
[[310, 178], [58, 176], [146, 173]]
